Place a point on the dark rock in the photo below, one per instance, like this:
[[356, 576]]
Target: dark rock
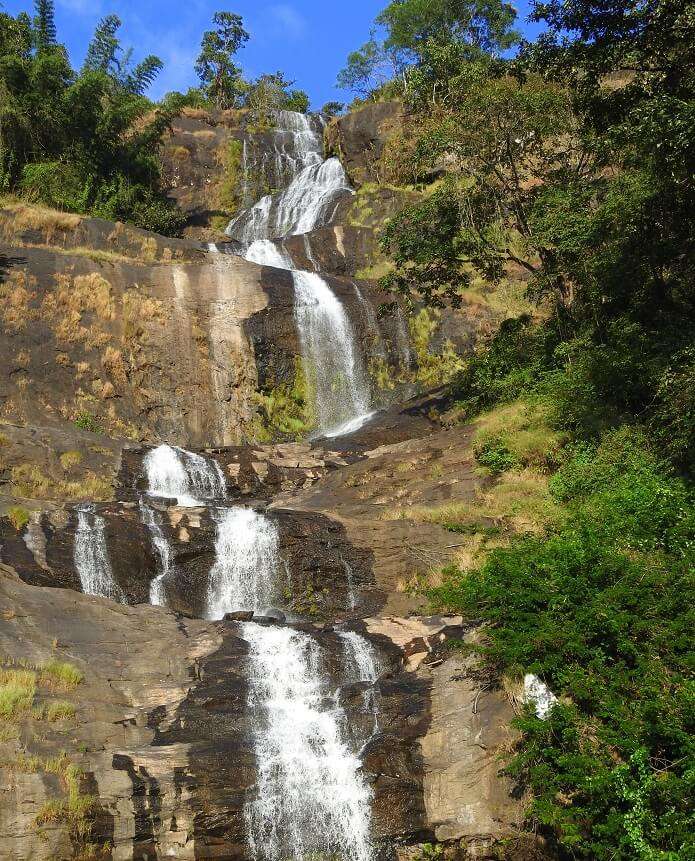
[[358, 138], [238, 616]]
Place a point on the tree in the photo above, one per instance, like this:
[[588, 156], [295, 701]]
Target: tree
[[219, 75], [498, 139], [44, 25], [103, 50], [414, 31], [368, 69], [332, 109], [483, 25], [271, 93]]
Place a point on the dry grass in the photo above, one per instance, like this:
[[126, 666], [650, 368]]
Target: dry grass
[[59, 710], [179, 153], [68, 459], [16, 295], [21, 216], [523, 428], [29, 482]]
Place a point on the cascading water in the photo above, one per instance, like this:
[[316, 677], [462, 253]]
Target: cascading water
[[332, 361], [336, 372], [360, 653], [91, 557], [314, 191], [175, 473], [247, 563], [163, 548], [310, 800]]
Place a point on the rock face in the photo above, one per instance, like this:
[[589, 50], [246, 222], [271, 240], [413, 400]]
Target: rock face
[[147, 350], [163, 747], [321, 714], [359, 137]]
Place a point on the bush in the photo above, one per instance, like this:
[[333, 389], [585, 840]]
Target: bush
[[88, 422], [598, 610], [495, 455]]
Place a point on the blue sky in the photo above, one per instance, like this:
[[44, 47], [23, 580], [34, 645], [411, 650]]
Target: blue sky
[[306, 39]]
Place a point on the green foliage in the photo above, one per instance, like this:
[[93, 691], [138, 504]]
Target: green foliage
[[88, 422], [231, 184], [332, 109], [18, 517], [494, 454], [416, 29], [269, 94], [219, 75], [285, 409], [87, 141], [596, 609], [482, 25]]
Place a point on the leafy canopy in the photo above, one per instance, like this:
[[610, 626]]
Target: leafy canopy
[[219, 75]]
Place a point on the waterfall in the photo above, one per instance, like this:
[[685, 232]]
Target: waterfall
[[267, 253], [360, 653], [315, 186], [336, 375], [175, 473], [247, 560], [332, 361], [163, 548], [311, 800], [372, 322], [91, 557]]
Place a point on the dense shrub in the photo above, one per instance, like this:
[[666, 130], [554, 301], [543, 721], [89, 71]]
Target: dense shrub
[[602, 610]]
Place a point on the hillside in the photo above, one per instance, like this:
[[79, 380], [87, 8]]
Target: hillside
[[346, 456]]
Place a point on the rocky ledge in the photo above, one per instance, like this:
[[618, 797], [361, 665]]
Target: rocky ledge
[[150, 752]]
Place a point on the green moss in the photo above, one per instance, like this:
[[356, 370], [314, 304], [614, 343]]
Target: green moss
[[18, 517], [285, 410]]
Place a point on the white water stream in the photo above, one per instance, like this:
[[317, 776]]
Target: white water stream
[[91, 557], [311, 800], [175, 473], [247, 563], [337, 376], [163, 548]]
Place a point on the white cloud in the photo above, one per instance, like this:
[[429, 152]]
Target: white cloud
[[287, 20]]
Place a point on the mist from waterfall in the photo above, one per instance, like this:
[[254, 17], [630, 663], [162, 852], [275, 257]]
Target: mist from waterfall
[[247, 562], [91, 557], [311, 799], [174, 473]]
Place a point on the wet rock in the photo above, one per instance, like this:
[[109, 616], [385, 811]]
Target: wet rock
[[274, 614], [238, 616]]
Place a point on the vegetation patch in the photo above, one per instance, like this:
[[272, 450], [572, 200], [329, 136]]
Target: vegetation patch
[[28, 481], [285, 410], [18, 517], [229, 193]]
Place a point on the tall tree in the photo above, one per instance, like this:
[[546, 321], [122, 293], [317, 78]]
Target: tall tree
[[103, 50], [215, 66], [44, 24]]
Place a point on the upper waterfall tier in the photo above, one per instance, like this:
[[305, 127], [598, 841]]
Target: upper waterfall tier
[[315, 186]]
